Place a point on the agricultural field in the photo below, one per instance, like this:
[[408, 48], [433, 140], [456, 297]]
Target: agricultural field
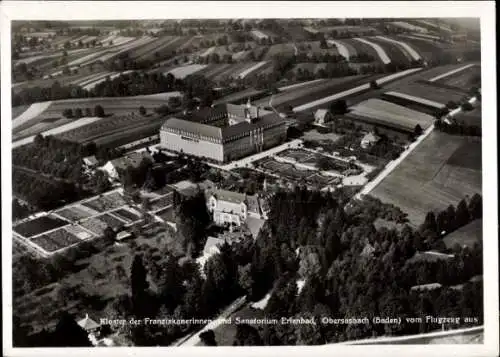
[[467, 235], [410, 27], [463, 79], [410, 52], [395, 51], [38, 225], [390, 114], [346, 30], [312, 91], [355, 48], [184, 71], [106, 202], [113, 130], [431, 93], [435, 175], [381, 52], [54, 109]]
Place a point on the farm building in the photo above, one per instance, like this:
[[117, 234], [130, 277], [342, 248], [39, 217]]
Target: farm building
[[369, 140], [113, 167], [230, 207], [322, 116], [224, 133]]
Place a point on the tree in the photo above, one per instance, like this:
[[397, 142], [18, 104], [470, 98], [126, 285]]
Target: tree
[[462, 216], [476, 206], [69, 334], [139, 285], [78, 113], [374, 85], [338, 107], [247, 335], [67, 113], [418, 130], [98, 111], [142, 110], [109, 234], [208, 338]]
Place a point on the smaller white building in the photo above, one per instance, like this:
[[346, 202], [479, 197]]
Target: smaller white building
[[369, 140], [229, 207], [322, 116], [113, 167]]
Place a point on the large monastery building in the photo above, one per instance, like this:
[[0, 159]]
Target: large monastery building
[[224, 132]]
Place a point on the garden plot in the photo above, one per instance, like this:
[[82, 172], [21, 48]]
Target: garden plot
[[56, 240], [94, 225], [78, 231], [127, 214], [433, 176], [106, 202], [111, 221], [162, 202], [76, 213], [414, 54], [389, 114], [380, 51], [38, 225], [167, 214]]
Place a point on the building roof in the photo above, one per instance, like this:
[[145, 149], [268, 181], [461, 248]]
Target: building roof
[[122, 235], [212, 244], [193, 127], [90, 160], [228, 196], [133, 159], [321, 113], [198, 128], [87, 323], [370, 137]]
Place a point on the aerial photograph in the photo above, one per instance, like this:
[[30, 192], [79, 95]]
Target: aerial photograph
[[246, 182]]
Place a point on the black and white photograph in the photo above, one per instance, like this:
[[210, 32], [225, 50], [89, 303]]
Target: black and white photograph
[[195, 178]]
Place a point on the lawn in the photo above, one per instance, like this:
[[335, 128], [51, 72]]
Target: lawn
[[466, 235], [76, 213], [38, 225], [470, 118], [427, 181]]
